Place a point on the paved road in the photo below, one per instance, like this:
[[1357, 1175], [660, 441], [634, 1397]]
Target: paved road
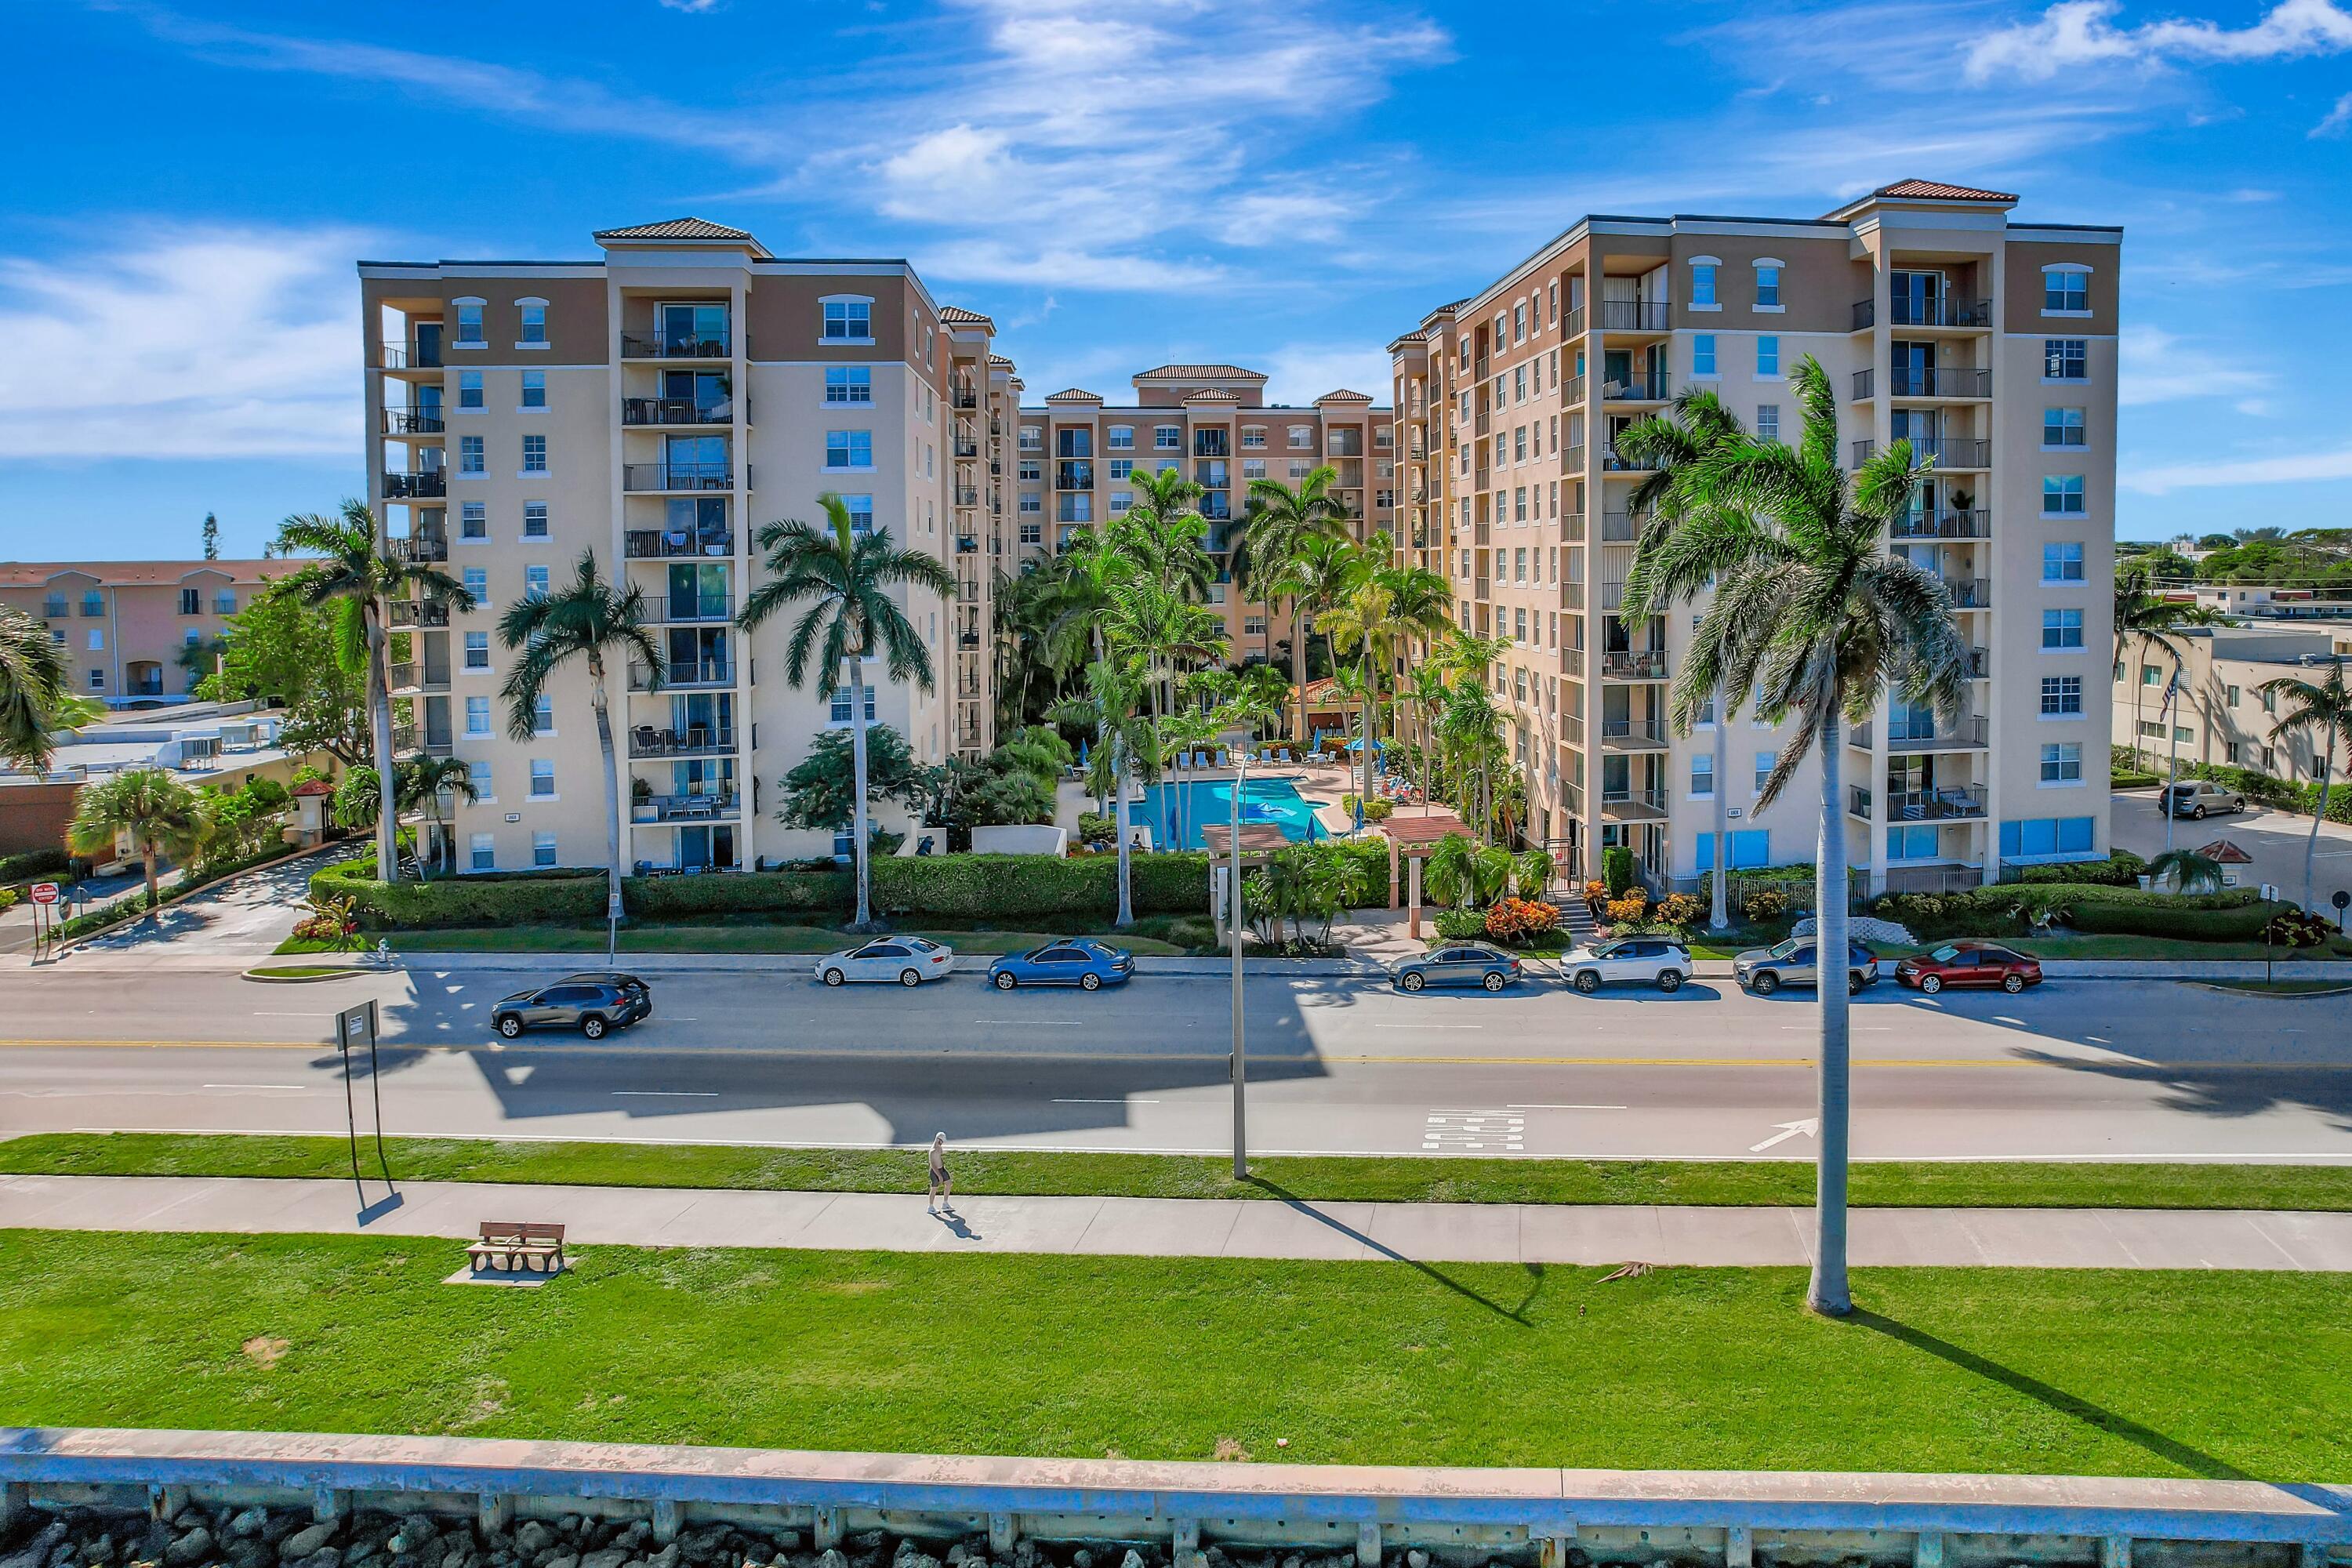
[[2076, 1070], [2276, 839]]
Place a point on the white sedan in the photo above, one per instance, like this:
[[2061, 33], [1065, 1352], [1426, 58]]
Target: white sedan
[[908, 960], [1653, 960]]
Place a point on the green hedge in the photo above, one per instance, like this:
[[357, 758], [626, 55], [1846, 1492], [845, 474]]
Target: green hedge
[[983, 887], [34, 864], [2243, 923], [2086, 906], [2121, 870]]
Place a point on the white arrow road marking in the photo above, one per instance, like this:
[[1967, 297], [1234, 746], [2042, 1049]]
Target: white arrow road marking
[[1810, 1126]]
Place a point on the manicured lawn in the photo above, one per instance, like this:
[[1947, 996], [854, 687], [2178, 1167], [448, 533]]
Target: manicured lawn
[[1326, 1178], [2076, 1372], [2156, 947], [2284, 987], [744, 938]]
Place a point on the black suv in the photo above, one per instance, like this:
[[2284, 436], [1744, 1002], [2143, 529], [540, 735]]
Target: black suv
[[591, 1003]]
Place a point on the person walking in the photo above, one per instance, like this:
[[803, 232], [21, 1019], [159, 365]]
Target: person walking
[[942, 1190]]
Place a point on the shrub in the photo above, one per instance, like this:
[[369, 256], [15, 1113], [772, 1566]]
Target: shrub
[[1634, 906], [1514, 921], [1680, 910], [1762, 904], [2243, 923], [1461, 925], [2296, 927], [1097, 828], [34, 864], [1596, 896], [1617, 869], [2121, 870], [1378, 810]]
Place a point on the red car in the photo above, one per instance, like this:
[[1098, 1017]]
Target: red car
[[1968, 963]]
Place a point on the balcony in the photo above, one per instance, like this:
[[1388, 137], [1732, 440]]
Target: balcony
[[1921, 735], [1073, 476], [967, 447], [656, 478], [698, 740], [967, 544], [1613, 594], [1634, 315], [1938, 381], [1970, 593], [1571, 390], [1635, 386], [403, 356], [963, 398], [1572, 458], [420, 548], [689, 608], [967, 495], [1571, 594], [414, 422], [1572, 326], [667, 545], [684, 675], [1633, 734], [430, 483], [1571, 527], [1955, 803], [1620, 527], [1944, 451], [1480, 587], [686, 808], [1612, 462], [656, 411], [1941, 312], [1976, 524], [1979, 664], [1646, 664], [1858, 802], [419, 613], [674, 346], [1630, 805], [407, 741]]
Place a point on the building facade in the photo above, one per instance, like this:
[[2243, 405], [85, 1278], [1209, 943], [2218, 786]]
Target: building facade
[[1075, 454], [1987, 343], [125, 626], [2221, 716], [654, 408]]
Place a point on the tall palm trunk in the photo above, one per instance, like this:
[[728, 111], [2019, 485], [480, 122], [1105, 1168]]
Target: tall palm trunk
[[1118, 793], [387, 822], [147, 849], [1365, 792], [1719, 916], [2139, 702], [1828, 1292], [2310, 845], [598, 700], [1298, 672], [857, 784]]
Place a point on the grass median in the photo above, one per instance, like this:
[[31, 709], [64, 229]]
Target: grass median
[[2016, 1371], [1334, 1178]]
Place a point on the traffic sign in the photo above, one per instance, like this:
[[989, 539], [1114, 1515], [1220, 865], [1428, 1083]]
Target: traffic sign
[[45, 892]]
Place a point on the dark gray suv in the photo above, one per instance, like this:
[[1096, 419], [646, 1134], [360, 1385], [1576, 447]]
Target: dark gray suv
[[591, 1004]]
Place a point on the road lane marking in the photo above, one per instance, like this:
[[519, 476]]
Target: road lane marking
[[299, 1088], [1810, 1126], [260, 1014], [1429, 1025], [1085, 1102], [666, 1094], [1568, 1108], [1461, 1131]]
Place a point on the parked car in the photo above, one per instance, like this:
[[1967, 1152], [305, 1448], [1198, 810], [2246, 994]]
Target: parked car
[[591, 1004], [1079, 961], [1659, 960], [1969, 963], [1765, 970], [2196, 798], [1457, 963], [908, 960]]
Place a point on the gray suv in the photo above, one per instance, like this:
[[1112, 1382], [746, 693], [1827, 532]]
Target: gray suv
[[2198, 796], [591, 1004], [1765, 970]]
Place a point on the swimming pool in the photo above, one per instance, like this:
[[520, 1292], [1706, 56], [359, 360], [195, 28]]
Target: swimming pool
[[1203, 801]]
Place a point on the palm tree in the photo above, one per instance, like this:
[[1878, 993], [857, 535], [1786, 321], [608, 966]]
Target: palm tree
[[358, 568], [159, 816], [2189, 871], [33, 678], [1470, 746], [1389, 604], [2327, 707], [1127, 749], [423, 778], [1159, 535], [848, 581], [589, 618], [1277, 523], [1810, 616], [2145, 622]]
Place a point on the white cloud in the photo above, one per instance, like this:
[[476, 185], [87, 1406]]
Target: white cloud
[[2155, 366], [1062, 267], [2081, 32], [2300, 468], [1301, 373], [2338, 118], [692, 7], [187, 343]]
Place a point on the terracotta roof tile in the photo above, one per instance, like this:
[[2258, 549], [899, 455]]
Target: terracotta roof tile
[[1197, 371], [142, 574], [681, 228], [1074, 394], [1935, 191], [1210, 394], [960, 317], [1344, 395]]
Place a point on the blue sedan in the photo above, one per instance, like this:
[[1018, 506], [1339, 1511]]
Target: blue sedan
[[1076, 961], [1458, 963]]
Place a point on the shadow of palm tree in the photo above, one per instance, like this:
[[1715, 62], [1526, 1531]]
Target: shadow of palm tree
[[1518, 1314]]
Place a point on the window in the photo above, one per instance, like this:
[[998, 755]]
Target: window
[[2062, 495], [1519, 383], [98, 680], [1121, 468], [2063, 428], [848, 383], [1912, 842], [2062, 696], [1768, 355], [1751, 850], [2065, 290], [861, 513], [478, 773], [2151, 675], [483, 849], [1299, 469], [469, 322], [534, 389], [478, 715], [542, 778], [470, 454], [534, 520], [2061, 631], [93, 603], [1702, 777], [1765, 762], [1767, 285], [542, 848], [96, 639], [1121, 501], [192, 602], [1519, 322], [534, 321], [2230, 695], [469, 389], [1702, 353], [2231, 752], [2061, 762], [1519, 632], [1302, 436], [2065, 359], [2048, 837], [225, 601], [1702, 285], [2061, 562], [1033, 438], [848, 320], [1121, 439], [1520, 444], [1033, 533], [1033, 503], [1251, 469], [1254, 437], [477, 583], [534, 454], [849, 449], [1168, 437], [478, 651], [534, 581], [842, 708], [1767, 422], [54, 604]]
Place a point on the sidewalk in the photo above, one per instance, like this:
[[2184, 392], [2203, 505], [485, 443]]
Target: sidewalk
[[1181, 1227]]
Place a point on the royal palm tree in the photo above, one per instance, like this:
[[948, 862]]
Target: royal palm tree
[[1277, 520], [357, 568], [33, 678], [1125, 750], [851, 617], [2323, 708], [1809, 616], [590, 619], [2145, 622], [1159, 535], [1390, 603], [423, 778], [159, 816]]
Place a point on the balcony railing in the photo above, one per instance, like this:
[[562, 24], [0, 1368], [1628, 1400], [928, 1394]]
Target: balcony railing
[[1970, 593], [1573, 326], [696, 741], [407, 487], [407, 739], [1944, 451], [1613, 594], [1976, 524], [664, 544], [967, 495], [1910, 313], [1571, 390], [967, 447], [967, 544], [1571, 527], [1636, 803], [683, 674], [1635, 386], [678, 477], [1620, 527], [1956, 802], [963, 398], [676, 410], [1572, 458], [414, 422], [419, 613], [1571, 594], [1979, 663], [420, 547], [1614, 462], [679, 345], [1633, 732], [1634, 315], [696, 607], [1938, 381], [401, 357], [686, 808], [1968, 734], [1645, 664], [1858, 801]]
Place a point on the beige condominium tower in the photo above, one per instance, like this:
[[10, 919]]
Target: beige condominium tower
[[654, 407], [1988, 344]]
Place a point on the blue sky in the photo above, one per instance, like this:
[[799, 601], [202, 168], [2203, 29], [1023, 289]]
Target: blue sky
[[1286, 186]]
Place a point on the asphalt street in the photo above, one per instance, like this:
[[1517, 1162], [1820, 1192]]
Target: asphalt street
[[2082, 1069]]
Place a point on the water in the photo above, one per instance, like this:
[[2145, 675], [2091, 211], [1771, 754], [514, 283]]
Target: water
[[1203, 801]]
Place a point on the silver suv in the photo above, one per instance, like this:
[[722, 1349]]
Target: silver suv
[[2199, 797]]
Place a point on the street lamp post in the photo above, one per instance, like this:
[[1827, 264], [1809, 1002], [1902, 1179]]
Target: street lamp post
[[1233, 893]]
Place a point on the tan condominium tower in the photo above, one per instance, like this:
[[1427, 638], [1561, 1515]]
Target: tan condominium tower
[[654, 407], [1987, 343], [1075, 455]]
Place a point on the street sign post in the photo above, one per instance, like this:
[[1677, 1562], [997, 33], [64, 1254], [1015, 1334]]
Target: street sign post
[[355, 1030], [43, 896]]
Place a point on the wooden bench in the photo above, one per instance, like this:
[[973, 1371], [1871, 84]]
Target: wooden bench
[[518, 1246]]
